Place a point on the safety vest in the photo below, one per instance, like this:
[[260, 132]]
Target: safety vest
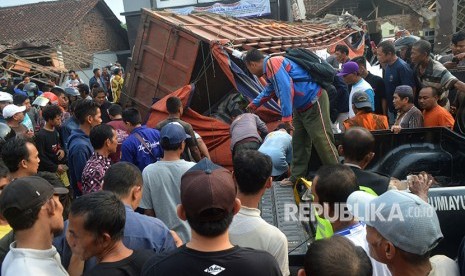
[[323, 226]]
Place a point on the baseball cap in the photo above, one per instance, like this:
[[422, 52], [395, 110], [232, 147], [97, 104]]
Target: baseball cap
[[174, 132], [11, 109], [26, 193], [6, 97], [402, 218], [206, 186], [361, 100], [348, 68]]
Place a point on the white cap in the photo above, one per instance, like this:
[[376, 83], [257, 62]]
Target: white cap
[[5, 97], [11, 109]]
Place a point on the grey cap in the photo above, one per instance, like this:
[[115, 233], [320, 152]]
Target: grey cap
[[361, 100], [402, 218]]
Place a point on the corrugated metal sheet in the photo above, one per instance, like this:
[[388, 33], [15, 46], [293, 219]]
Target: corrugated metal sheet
[[267, 35]]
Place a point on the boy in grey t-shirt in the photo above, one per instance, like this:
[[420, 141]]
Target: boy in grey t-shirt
[[162, 181]]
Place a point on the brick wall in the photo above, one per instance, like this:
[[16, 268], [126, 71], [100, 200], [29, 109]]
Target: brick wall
[[93, 34]]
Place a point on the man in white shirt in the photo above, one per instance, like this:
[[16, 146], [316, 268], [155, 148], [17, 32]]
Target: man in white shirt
[[331, 187], [351, 76], [252, 171], [32, 208]]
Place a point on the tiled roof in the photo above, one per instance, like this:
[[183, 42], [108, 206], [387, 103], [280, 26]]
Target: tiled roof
[[42, 23], [266, 35]]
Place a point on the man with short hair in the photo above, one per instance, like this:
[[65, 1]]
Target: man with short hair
[[48, 142], [96, 228], [20, 157], [32, 208], [396, 72], [336, 256], [331, 187], [175, 111], [116, 115], [408, 115], [140, 231], [5, 99], [357, 148], [304, 103], [142, 146], [84, 91], [104, 141], [208, 204], [100, 98], [14, 116], [163, 179], [246, 131], [376, 82], [79, 146], [97, 80], [73, 81], [364, 116], [434, 114], [457, 46], [252, 172], [402, 233], [278, 145], [341, 52], [350, 75], [432, 73]]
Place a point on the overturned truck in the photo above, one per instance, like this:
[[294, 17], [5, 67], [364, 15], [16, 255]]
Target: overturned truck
[[191, 56]]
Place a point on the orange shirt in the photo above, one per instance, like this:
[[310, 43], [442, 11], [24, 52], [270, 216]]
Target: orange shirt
[[438, 116], [369, 121]]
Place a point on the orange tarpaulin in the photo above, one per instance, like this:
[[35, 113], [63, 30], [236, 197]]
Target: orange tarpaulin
[[214, 132]]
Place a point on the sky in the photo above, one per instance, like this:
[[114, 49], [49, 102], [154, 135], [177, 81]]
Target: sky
[[115, 5]]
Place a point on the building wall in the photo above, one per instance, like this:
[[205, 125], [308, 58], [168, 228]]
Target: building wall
[[413, 23], [92, 34]]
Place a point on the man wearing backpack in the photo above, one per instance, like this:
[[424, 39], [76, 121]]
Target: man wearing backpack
[[301, 98]]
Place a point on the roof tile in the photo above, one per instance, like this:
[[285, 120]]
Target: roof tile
[[41, 23], [265, 34]]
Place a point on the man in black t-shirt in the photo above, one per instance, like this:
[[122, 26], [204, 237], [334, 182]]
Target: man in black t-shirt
[[376, 82], [96, 228], [208, 203], [48, 143]]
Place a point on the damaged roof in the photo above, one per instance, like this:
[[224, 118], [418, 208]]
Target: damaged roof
[[269, 36], [45, 23]]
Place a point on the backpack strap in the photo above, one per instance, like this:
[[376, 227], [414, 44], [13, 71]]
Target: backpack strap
[[144, 144]]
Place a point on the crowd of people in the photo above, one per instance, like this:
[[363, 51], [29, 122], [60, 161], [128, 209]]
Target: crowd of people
[[87, 188]]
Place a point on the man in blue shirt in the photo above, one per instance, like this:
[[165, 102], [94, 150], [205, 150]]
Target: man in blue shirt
[[97, 80], [302, 101], [140, 231], [79, 147], [142, 147], [278, 145], [396, 72]]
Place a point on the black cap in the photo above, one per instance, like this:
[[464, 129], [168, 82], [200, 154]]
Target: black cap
[[28, 192]]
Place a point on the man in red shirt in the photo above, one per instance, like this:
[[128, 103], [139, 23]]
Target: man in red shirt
[[115, 112], [433, 114]]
